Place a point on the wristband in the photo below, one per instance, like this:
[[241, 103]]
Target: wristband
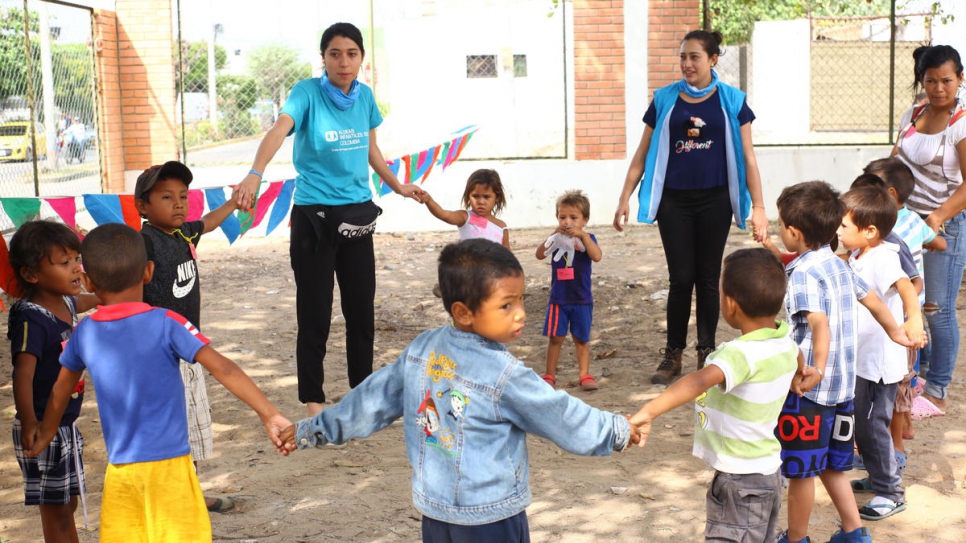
[[820, 372], [256, 172]]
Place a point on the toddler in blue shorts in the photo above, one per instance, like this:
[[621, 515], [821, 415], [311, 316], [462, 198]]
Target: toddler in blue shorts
[[571, 304]]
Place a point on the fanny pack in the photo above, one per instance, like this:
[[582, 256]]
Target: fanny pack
[[343, 223]]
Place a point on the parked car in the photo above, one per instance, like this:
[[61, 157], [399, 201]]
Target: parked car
[[15, 140]]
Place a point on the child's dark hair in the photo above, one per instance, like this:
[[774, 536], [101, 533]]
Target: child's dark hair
[[30, 245], [487, 178], [114, 257], [896, 175], [469, 269], [814, 208], [577, 199], [870, 205], [756, 280]]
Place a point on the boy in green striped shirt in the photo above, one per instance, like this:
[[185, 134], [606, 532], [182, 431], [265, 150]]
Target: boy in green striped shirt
[[739, 395]]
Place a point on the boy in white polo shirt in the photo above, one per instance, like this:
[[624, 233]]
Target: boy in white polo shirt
[[739, 395]]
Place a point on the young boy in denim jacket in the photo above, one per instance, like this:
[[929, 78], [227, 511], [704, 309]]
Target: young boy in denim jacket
[[817, 421], [467, 406], [739, 394]]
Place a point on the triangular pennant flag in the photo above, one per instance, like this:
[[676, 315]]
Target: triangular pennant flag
[[104, 208], [422, 165], [282, 205], [246, 218], [451, 153], [66, 209], [8, 280], [130, 212], [431, 162], [265, 201], [443, 154], [196, 204], [464, 140], [230, 226], [21, 210], [408, 161]]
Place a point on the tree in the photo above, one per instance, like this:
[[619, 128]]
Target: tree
[[736, 19], [277, 67], [13, 56], [73, 80], [194, 55]]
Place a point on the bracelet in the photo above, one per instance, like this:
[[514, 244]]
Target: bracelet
[[820, 372], [256, 172], [759, 207]]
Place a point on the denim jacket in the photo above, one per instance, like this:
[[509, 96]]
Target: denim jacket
[[467, 406]]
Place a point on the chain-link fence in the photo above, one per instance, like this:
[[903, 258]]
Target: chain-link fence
[[48, 118], [435, 67], [829, 77]]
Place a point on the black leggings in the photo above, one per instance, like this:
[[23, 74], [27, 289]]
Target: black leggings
[[694, 226], [315, 259]]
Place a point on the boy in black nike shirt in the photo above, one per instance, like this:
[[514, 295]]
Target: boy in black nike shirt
[[161, 197]]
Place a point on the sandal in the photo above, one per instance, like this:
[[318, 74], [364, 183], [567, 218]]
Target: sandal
[[924, 409], [880, 508], [587, 383], [222, 505], [550, 379], [861, 486]]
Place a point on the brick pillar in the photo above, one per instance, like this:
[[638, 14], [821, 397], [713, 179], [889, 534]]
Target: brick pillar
[[136, 89], [599, 127], [109, 101], [668, 22]]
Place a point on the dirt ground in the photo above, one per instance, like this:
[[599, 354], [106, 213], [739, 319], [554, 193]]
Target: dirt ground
[[362, 492]]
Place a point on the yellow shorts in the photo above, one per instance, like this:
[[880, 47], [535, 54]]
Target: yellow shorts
[[156, 502]]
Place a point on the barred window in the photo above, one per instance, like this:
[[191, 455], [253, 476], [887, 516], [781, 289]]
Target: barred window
[[478, 66], [519, 65]]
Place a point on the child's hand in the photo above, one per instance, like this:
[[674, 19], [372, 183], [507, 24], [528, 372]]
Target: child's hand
[[411, 191], [903, 337], [806, 380], [28, 434], [40, 442], [636, 436], [426, 198], [288, 437], [915, 332], [276, 426]]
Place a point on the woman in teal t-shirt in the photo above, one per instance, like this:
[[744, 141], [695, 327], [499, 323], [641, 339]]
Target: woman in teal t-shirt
[[334, 120]]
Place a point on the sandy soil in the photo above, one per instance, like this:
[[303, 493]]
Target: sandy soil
[[362, 492]]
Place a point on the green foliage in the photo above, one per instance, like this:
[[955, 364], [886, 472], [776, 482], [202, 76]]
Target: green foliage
[[277, 67], [384, 108], [236, 95], [13, 58], [73, 80], [194, 55], [736, 19]]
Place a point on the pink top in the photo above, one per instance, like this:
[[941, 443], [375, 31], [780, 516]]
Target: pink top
[[477, 227]]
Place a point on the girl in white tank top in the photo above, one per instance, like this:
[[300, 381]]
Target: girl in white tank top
[[482, 200]]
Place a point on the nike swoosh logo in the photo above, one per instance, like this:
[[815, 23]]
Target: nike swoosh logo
[[181, 292]]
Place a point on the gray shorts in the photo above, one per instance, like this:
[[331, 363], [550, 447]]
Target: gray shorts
[[199, 410], [743, 508]]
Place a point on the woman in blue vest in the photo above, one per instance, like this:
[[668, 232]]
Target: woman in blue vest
[[699, 170], [334, 119]]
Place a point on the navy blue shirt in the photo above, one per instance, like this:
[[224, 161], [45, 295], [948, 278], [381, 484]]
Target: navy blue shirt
[[34, 330], [696, 133], [572, 287]]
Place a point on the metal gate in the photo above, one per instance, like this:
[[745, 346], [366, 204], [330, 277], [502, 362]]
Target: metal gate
[[48, 107]]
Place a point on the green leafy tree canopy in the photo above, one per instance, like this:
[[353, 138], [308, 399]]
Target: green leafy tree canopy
[[277, 67]]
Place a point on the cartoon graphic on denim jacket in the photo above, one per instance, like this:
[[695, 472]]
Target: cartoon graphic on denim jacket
[[428, 419], [457, 402]]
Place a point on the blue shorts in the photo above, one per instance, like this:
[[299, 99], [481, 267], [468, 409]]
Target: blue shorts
[[56, 475], [815, 437], [575, 318]]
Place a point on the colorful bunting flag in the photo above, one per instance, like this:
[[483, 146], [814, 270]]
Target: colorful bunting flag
[[21, 210]]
